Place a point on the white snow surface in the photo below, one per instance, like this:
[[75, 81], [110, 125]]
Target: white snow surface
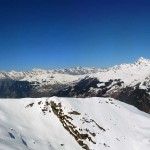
[[27, 128]]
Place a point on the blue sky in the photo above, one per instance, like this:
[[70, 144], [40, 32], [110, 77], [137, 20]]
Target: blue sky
[[65, 33]]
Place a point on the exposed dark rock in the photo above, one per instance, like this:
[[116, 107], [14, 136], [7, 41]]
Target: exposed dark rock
[[70, 127], [88, 87], [29, 105], [74, 113], [134, 96], [14, 89], [80, 89]]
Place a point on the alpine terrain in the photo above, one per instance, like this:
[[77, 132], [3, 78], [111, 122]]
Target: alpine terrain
[[72, 124], [93, 116], [129, 83]]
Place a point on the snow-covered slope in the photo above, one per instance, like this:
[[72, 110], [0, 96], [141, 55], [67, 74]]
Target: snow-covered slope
[[72, 124], [131, 74], [51, 76]]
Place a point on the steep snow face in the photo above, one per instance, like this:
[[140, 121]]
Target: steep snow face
[[70, 123], [131, 74], [142, 61]]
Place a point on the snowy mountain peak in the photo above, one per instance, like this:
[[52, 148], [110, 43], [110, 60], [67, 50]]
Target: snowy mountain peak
[[142, 60]]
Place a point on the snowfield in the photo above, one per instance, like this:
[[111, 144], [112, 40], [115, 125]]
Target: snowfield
[[72, 124]]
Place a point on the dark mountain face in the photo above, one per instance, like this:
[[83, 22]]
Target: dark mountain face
[[87, 87], [14, 89], [21, 89], [134, 96], [47, 90], [92, 87], [80, 89]]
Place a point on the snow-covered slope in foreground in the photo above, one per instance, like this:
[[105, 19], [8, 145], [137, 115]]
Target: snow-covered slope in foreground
[[72, 124]]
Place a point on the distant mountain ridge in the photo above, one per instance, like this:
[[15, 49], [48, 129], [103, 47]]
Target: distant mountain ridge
[[137, 69]]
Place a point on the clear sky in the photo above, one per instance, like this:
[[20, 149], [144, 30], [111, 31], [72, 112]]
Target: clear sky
[[65, 33]]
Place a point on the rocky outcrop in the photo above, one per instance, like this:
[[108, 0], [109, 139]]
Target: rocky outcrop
[[83, 136]]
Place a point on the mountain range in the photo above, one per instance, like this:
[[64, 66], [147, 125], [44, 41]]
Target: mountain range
[[127, 72], [129, 83]]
